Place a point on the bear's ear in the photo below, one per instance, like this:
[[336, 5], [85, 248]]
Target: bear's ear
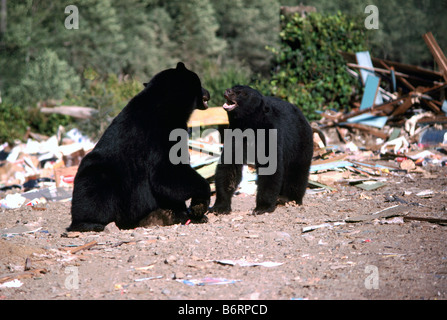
[[145, 84], [181, 66]]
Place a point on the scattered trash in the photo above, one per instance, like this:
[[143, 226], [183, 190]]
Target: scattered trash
[[395, 220], [385, 213], [26, 274], [425, 194], [12, 201], [243, 263], [12, 284], [148, 278], [207, 281], [442, 222], [324, 225], [84, 247], [370, 185]]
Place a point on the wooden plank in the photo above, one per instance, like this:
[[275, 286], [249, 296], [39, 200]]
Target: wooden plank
[[437, 53], [84, 247], [208, 117], [403, 107], [385, 213], [414, 72], [369, 130], [432, 220], [380, 70], [399, 76], [387, 108], [73, 111], [22, 275]]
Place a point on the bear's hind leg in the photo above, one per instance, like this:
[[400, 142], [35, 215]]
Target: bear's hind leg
[[296, 183], [268, 189], [228, 177]]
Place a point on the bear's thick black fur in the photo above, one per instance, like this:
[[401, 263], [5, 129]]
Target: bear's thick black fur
[[129, 174], [249, 109]]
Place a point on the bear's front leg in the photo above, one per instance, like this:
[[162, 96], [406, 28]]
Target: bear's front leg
[[200, 199]]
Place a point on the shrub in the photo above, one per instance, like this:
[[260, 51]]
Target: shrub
[[310, 71], [13, 122], [46, 78], [108, 95]]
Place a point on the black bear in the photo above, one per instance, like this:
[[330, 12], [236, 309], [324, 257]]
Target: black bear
[[272, 134], [128, 175]]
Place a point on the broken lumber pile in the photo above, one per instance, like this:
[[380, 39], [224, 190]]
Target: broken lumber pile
[[395, 95]]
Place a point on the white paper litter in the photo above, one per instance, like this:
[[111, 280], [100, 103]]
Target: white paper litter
[[12, 284]]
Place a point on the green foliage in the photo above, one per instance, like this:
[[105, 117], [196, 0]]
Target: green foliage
[[46, 78], [13, 122], [109, 96], [46, 124], [216, 80], [401, 26], [194, 31], [223, 41], [311, 73], [248, 26]]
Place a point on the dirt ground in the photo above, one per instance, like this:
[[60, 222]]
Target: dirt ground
[[374, 258]]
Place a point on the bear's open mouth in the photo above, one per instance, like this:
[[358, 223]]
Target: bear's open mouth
[[229, 105]]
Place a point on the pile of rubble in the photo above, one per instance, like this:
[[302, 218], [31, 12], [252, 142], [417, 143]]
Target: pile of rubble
[[401, 118], [395, 95], [42, 169]]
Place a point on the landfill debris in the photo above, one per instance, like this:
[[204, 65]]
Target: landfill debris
[[12, 201], [243, 263], [392, 122], [26, 274], [392, 211], [207, 281], [323, 225], [425, 194], [12, 284], [370, 185], [148, 278], [442, 222], [84, 247], [18, 230]]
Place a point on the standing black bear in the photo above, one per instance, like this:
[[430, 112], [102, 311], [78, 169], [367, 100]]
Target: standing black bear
[[128, 175], [286, 142]]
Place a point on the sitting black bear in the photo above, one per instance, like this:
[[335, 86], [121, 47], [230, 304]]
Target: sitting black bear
[[129, 174], [286, 142]]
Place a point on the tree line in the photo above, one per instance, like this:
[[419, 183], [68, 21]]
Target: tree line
[[127, 41]]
